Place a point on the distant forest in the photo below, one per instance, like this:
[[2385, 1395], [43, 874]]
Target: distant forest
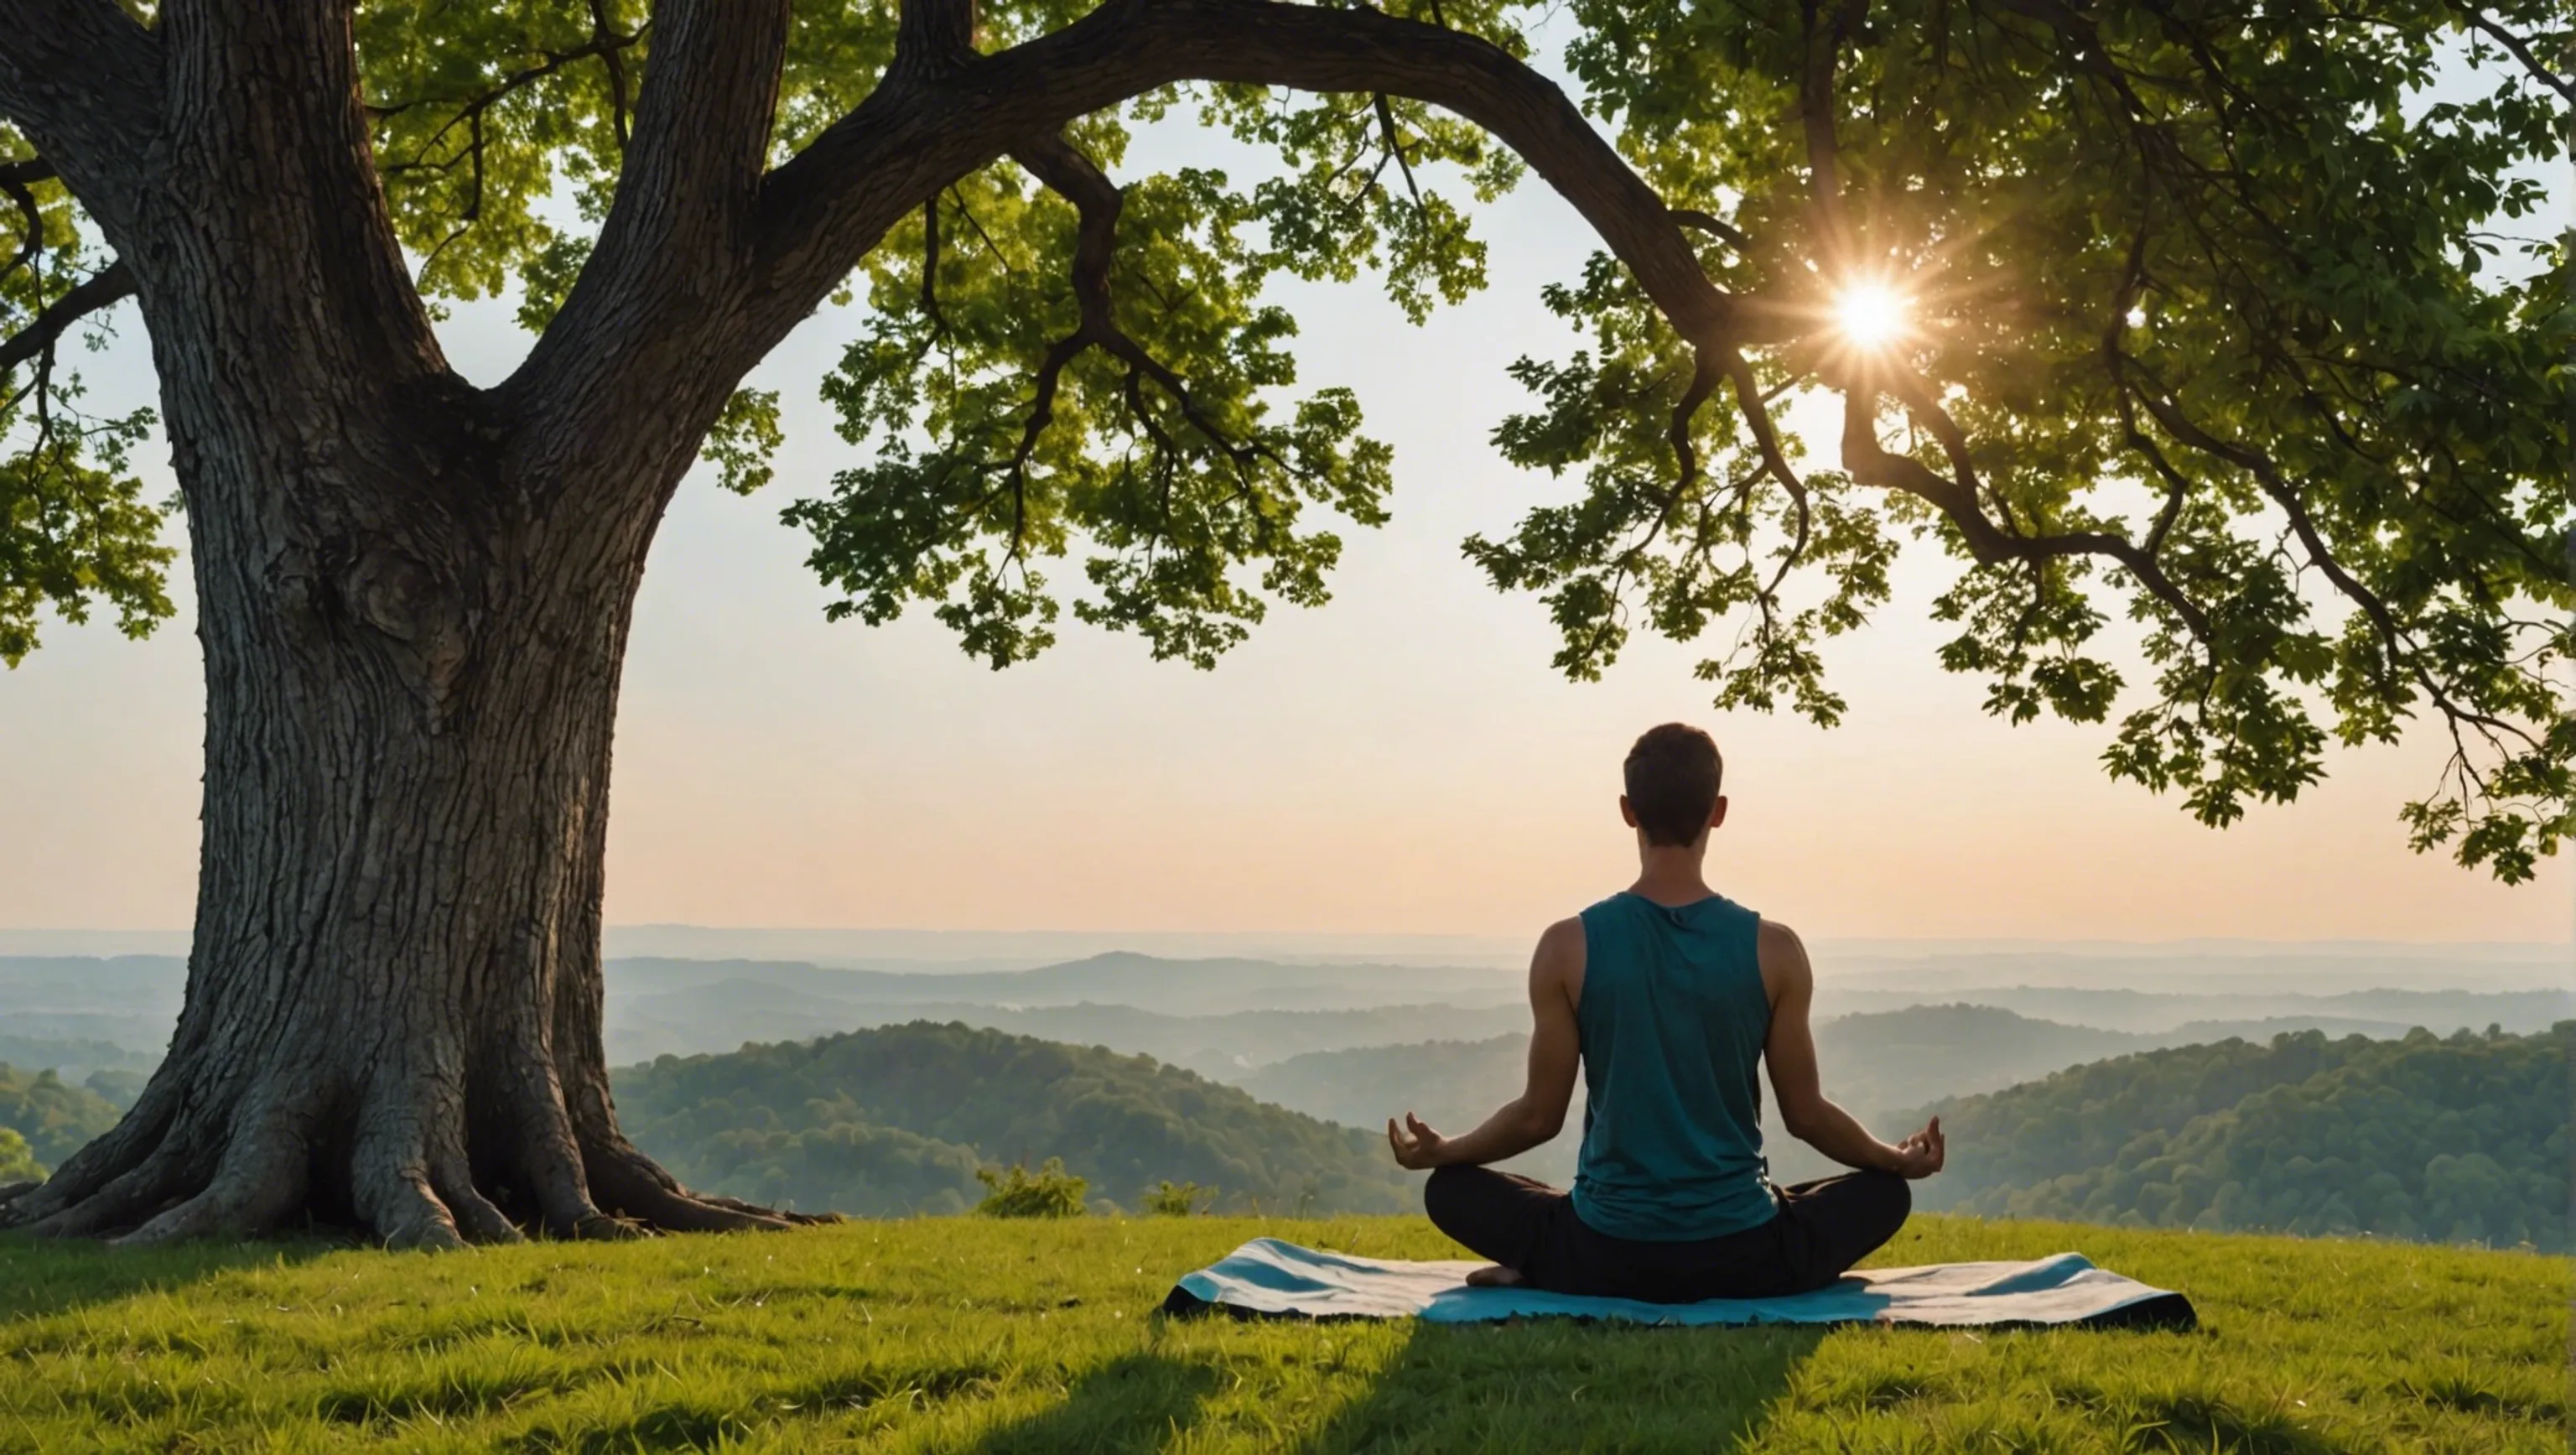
[[53, 1116], [896, 1120], [2459, 1139]]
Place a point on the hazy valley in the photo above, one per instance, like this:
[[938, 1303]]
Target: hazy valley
[[776, 1079]]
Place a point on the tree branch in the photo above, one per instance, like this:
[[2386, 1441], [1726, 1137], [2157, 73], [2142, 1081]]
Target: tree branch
[[266, 174], [1395, 145], [934, 37], [650, 327], [617, 353], [2395, 645], [1957, 495], [825, 207], [701, 139], [82, 79], [1876, 467], [2520, 50], [31, 222], [103, 289], [1816, 120], [604, 44], [1713, 225], [612, 61], [1069, 174]]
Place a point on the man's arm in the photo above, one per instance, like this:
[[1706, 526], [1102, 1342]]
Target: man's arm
[[1795, 1085], [1538, 1113]]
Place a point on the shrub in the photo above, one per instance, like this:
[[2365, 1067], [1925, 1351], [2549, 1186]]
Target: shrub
[[18, 1162], [1016, 1192], [1170, 1201]]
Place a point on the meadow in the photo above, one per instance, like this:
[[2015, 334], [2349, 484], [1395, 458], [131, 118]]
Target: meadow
[[969, 1334]]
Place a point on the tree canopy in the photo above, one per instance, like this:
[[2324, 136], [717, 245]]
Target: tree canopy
[[2211, 334]]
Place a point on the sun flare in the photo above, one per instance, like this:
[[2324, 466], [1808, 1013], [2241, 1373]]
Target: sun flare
[[1870, 315]]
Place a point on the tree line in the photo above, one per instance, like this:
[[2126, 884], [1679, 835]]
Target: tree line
[[2457, 1139]]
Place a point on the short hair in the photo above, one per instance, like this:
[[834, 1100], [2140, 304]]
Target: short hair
[[1673, 775]]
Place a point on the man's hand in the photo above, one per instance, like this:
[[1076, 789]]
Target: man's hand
[[1921, 1154], [1416, 1146]]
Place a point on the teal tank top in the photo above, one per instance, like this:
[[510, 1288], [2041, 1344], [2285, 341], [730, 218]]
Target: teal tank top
[[1672, 1017]]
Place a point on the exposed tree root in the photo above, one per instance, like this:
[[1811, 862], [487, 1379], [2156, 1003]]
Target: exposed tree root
[[124, 1201], [404, 1180], [475, 1218], [637, 1186], [105, 1170]]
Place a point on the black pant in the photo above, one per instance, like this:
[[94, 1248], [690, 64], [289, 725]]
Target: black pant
[[1822, 1229]]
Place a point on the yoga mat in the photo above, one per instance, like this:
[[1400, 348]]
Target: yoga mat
[[1267, 1278]]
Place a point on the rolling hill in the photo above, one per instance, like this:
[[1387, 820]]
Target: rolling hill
[[2463, 1138], [896, 1119], [682, 1021]]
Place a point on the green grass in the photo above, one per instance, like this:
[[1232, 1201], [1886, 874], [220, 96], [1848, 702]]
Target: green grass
[[968, 1334]]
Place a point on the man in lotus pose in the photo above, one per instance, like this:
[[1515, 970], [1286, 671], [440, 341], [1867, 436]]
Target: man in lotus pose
[[1668, 994]]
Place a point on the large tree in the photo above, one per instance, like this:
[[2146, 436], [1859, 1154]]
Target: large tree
[[2211, 315]]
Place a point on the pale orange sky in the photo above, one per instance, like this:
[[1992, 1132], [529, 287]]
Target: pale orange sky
[[1401, 761]]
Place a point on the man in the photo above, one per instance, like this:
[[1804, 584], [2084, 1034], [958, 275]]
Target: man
[[1667, 994]]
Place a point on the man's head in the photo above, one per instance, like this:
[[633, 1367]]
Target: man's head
[[1673, 776]]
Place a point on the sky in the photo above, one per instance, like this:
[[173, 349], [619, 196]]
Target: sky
[[1401, 761]]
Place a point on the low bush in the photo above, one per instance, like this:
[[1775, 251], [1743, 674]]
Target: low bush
[[1016, 1192]]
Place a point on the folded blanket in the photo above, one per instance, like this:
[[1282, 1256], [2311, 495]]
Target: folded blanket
[[1267, 1278]]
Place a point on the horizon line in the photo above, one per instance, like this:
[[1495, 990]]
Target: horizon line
[[1416, 936]]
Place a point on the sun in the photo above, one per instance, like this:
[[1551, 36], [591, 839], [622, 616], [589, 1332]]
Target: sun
[[1870, 315]]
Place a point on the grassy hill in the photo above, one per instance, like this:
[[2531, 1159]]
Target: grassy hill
[[1003, 1338], [2462, 1138], [896, 1119]]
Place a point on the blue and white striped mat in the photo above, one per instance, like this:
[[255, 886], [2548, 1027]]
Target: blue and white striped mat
[[1267, 1278]]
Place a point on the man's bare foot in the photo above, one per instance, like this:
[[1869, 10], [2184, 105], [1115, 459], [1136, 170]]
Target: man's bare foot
[[1493, 1276]]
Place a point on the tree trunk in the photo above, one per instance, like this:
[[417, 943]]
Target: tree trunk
[[393, 1008], [413, 597]]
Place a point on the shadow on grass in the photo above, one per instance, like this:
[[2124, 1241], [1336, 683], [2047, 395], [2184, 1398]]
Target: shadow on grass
[[43, 1276], [1134, 1402], [1555, 1384]]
